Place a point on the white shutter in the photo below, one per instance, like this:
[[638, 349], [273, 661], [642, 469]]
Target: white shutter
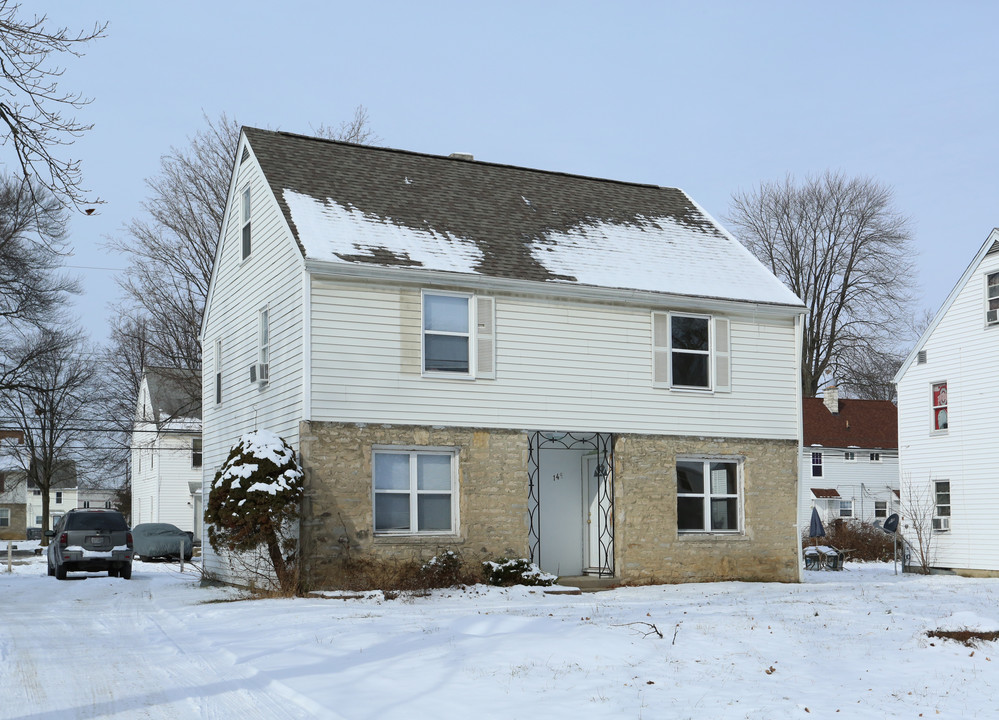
[[722, 356], [485, 337], [660, 349]]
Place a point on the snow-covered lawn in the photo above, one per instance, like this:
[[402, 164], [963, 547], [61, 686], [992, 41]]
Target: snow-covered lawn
[[846, 644]]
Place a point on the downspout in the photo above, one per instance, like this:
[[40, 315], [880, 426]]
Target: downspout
[[801, 443]]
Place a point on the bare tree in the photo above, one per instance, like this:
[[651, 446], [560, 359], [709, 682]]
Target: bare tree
[[171, 249], [33, 120], [33, 289], [840, 245], [52, 410]]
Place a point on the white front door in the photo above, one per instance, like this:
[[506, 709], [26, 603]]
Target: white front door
[[598, 521], [561, 493]]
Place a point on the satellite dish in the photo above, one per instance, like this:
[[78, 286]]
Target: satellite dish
[[891, 523]]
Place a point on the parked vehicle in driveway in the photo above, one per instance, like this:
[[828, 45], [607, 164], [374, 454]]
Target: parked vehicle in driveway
[[161, 540], [88, 540]]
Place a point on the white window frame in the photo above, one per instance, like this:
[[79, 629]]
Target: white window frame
[[414, 492], [850, 456], [707, 354], [86, 504], [470, 307], [991, 299], [197, 453], [38, 520], [880, 508], [245, 235], [817, 470], [58, 497], [4, 517], [707, 495], [875, 457], [941, 510], [938, 405], [218, 371], [847, 506], [107, 504]]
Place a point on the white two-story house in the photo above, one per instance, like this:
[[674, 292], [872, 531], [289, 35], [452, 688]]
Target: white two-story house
[[947, 427], [504, 361], [166, 450]]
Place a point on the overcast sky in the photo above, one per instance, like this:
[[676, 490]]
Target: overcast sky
[[711, 97]]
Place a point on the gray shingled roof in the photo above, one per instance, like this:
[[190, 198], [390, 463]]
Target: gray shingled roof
[[170, 393], [501, 221]]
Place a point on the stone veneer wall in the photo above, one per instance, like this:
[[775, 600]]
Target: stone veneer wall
[[493, 471], [17, 530]]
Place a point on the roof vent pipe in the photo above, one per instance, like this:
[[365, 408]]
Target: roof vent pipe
[[461, 156]]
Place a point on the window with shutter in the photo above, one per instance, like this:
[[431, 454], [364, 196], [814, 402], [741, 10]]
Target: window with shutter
[[691, 352]]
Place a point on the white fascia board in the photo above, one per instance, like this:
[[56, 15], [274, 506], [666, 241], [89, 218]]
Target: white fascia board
[[645, 298], [972, 267]]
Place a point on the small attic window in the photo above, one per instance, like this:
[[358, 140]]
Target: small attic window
[[921, 357], [245, 208]]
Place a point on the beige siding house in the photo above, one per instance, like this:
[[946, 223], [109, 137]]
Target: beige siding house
[[505, 361], [947, 426]]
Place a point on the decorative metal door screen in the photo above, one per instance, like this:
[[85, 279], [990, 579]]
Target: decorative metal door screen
[[603, 445]]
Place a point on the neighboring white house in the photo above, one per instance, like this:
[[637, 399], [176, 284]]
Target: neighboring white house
[[504, 361], [849, 459], [166, 451], [947, 421]]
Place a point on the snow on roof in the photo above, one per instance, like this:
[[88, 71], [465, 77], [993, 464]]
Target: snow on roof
[[358, 205]]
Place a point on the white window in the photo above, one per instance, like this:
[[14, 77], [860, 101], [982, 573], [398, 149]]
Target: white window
[[196, 454], [691, 352], [58, 497], [107, 504], [939, 397], [86, 504], [38, 520], [876, 457], [849, 456], [992, 299], [218, 372], [4, 517], [941, 506], [846, 508], [458, 335], [245, 210], [880, 508], [265, 337], [36, 491], [415, 491], [816, 464], [707, 496]]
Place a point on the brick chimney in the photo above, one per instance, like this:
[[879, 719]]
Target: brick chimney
[[830, 398]]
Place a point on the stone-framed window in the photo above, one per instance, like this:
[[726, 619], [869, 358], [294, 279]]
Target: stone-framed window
[[708, 495], [415, 490]]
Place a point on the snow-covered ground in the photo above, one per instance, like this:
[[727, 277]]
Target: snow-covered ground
[[846, 644]]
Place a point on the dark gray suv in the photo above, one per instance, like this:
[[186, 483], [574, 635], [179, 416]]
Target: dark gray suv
[[89, 541]]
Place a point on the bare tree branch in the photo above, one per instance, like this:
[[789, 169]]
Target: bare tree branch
[[840, 245], [34, 125]]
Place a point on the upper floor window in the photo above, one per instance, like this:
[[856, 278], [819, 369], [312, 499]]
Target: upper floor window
[[415, 491], [939, 394], [86, 504], [264, 337], [218, 372], [690, 352], [992, 298], [196, 455], [458, 335], [849, 456], [816, 464], [58, 497], [245, 217], [880, 508], [875, 457], [707, 495], [36, 491]]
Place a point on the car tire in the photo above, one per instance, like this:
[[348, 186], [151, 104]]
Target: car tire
[[60, 572], [125, 571], [112, 572], [49, 567]]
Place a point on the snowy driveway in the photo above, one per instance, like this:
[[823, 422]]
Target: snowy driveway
[[842, 645]]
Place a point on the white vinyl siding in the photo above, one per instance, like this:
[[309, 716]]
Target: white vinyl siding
[[572, 365], [862, 482], [271, 277], [961, 350]]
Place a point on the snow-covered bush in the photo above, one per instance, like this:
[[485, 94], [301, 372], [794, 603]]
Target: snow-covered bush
[[446, 569], [516, 572], [255, 501]]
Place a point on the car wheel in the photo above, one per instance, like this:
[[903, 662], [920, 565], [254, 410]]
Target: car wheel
[[48, 566], [60, 572], [125, 571], [112, 572]]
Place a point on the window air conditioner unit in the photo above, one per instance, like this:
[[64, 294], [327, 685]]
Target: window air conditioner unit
[[992, 316], [941, 523], [258, 373]]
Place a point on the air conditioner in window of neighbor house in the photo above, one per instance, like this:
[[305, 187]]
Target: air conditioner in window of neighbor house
[[941, 523], [258, 373], [991, 316]]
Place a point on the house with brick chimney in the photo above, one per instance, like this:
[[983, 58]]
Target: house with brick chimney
[[849, 459]]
